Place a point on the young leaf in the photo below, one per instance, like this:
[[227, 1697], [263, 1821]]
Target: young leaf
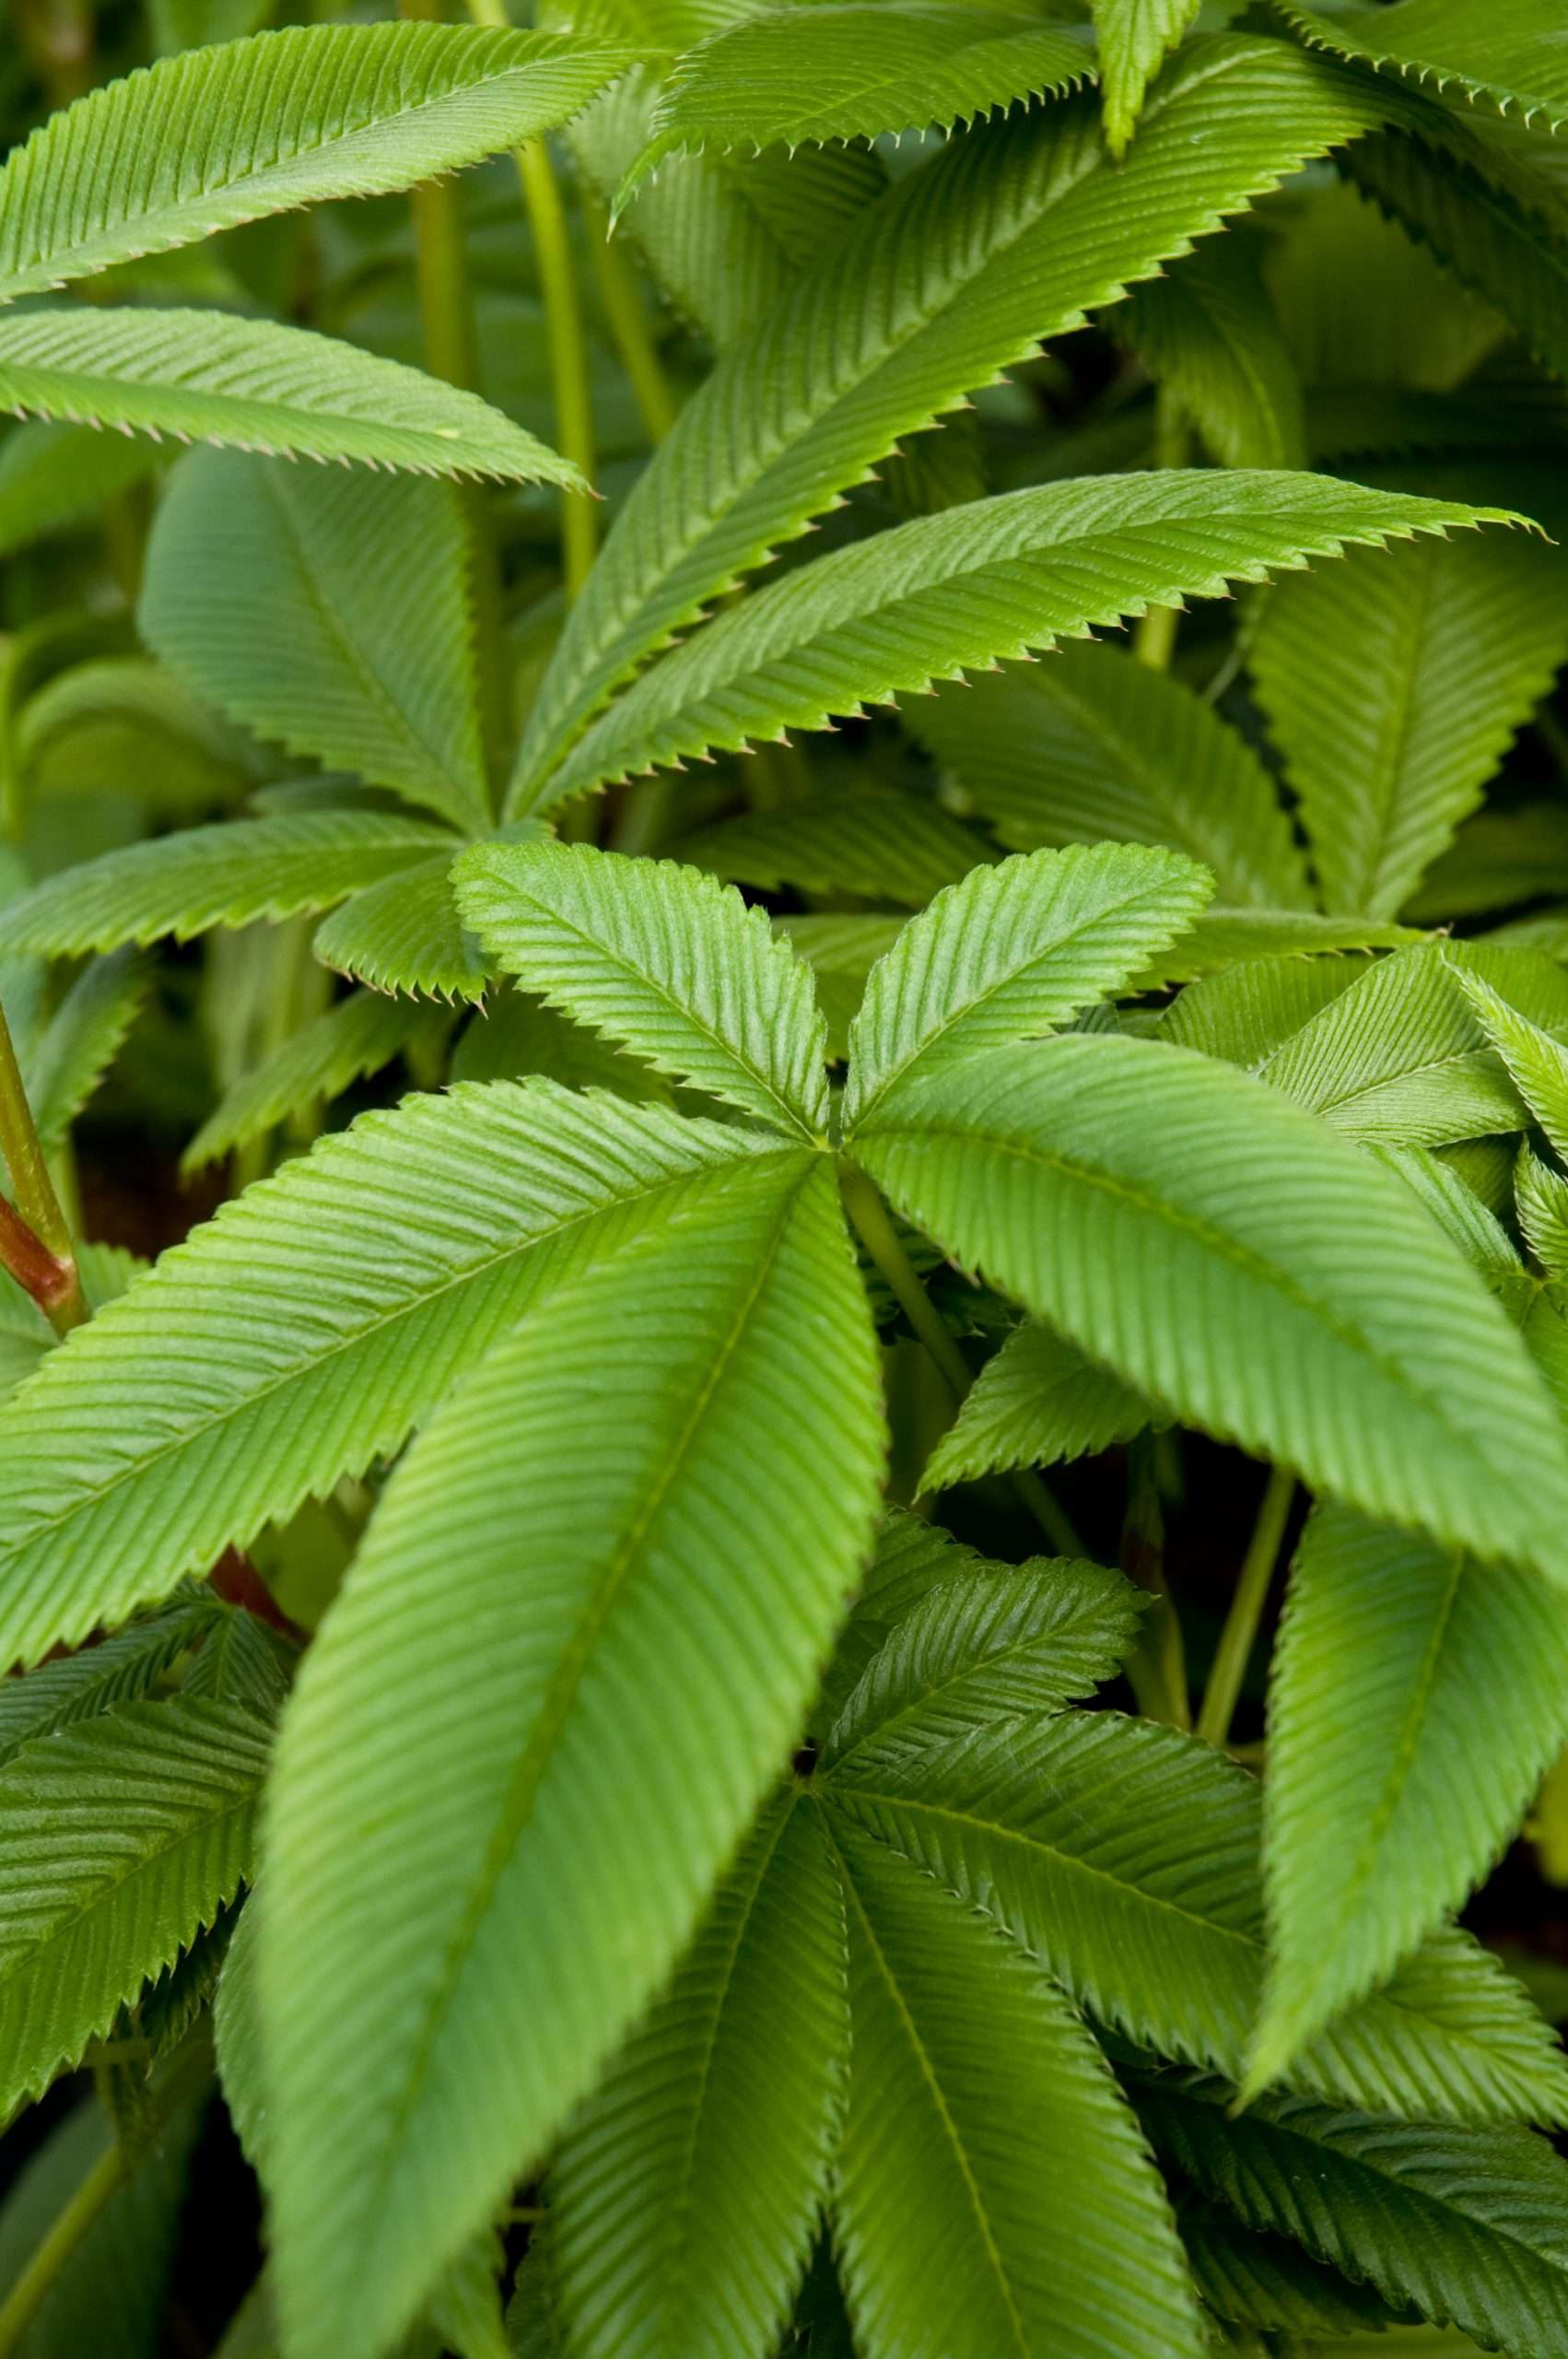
[[1393, 695], [1221, 1249], [1133, 37], [82, 1039], [228, 874], [117, 1670], [306, 1330], [1024, 1640], [1508, 56], [122, 1837], [1542, 1200], [980, 2110], [406, 935], [356, 1037], [1039, 1401], [1013, 953], [492, 1830], [959, 590], [1536, 1063], [663, 959], [210, 377], [869, 68], [1417, 1700], [1465, 2224], [887, 333], [383, 682], [686, 2190], [1092, 745], [205, 141], [1208, 330], [879, 844], [1126, 1859]]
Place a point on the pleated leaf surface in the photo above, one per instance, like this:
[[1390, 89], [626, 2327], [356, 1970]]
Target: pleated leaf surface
[[1039, 1401]]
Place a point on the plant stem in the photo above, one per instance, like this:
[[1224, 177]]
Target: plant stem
[[1157, 1666], [567, 341], [1154, 638], [873, 1226], [1235, 1650], [629, 322], [35, 1238]]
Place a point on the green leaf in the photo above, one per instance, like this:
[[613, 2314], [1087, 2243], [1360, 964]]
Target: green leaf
[[1093, 746], [406, 935], [1012, 1641], [121, 1837], [1209, 335], [1541, 1198], [1536, 1063], [515, 1034], [1417, 1699], [663, 960], [686, 2192], [1221, 1250], [894, 326], [211, 377], [1009, 953], [1039, 1400], [205, 141], [1220, 938], [1508, 56], [1393, 695], [1124, 1857], [305, 1331], [887, 846], [237, 2035], [869, 67], [110, 2301], [958, 590], [1134, 37], [492, 1830], [356, 1037], [381, 679], [117, 1670], [1249, 1011], [1264, 2281], [228, 875], [993, 2193], [1400, 1056], [51, 475], [1465, 2224], [82, 1039]]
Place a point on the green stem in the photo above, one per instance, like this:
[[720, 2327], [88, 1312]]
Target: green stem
[[1236, 1639], [35, 1239], [1157, 1666], [1154, 638], [30, 2290], [622, 299], [873, 1226]]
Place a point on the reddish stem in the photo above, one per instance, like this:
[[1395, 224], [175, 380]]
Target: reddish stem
[[53, 1284]]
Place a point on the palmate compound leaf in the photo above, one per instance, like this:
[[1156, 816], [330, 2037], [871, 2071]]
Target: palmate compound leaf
[[1221, 1250], [1039, 1401], [213, 377], [383, 681], [1011, 235], [1011, 953], [1417, 1700], [204, 141], [1393, 693], [1125, 1858], [869, 68], [226, 874], [685, 2192], [122, 1837], [1022, 1639], [1093, 745], [1134, 37], [1509, 55], [974, 585], [359, 1036], [663, 959], [1465, 2224], [306, 1330], [993, 2195], [491, 1831]]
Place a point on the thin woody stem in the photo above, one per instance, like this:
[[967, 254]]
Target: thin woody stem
[[35, 1237]]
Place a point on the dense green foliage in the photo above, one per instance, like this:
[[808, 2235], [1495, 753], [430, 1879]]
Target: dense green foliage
[[591, 1087]]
